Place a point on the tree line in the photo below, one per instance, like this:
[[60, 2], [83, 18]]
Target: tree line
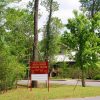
[[19, 38]]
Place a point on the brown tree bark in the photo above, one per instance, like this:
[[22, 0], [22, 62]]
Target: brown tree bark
[[35, 42], [93, 9], [83, 78]]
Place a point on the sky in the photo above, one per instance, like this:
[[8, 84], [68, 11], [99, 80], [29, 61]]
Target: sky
[[66, 8]]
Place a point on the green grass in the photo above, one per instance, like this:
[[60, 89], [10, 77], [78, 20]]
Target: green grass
[[57, 91]]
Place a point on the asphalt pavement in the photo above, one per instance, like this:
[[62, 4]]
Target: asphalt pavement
[[65, 82], [78, 82], [87, 98]]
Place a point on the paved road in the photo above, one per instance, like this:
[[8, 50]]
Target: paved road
[[67, 82], [74, 82], [87, 98]]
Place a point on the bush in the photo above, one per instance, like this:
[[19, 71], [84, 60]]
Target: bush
[[97, 77], [10, 71], [73, 72], [69, 71], [91, 72], [63, 70]]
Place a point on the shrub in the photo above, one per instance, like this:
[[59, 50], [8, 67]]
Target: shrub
[[97, 77], [10, 71]]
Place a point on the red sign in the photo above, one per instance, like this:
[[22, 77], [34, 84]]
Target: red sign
[[39, 71], [39, 67]]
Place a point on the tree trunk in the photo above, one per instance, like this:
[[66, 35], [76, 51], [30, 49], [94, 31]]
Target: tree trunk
[[35, 44], [83, 78], [93, 9], [48, 32]]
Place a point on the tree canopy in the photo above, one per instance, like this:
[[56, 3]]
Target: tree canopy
[[80, 38]]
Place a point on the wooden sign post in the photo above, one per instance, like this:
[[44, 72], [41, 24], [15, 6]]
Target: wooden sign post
[[39, 71]]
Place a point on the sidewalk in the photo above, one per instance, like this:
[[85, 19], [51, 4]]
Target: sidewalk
[[87, 98]]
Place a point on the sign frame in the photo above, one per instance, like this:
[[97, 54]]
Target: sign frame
[[39, 69]]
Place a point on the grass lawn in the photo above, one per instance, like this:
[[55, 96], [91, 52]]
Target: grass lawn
[[55, 92]]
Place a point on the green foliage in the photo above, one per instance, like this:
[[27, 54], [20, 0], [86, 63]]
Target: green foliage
[[92, 72], [46, 4], [19, 36], [90, 7], [55, 39], [10, 70], [63, 70], [80, 37], [96, 24], [73, 72], [5, 2], [15, 45], [97, 77]]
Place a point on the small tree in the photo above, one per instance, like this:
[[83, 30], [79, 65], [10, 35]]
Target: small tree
[[50, 6], [55, 39], [80, 38]]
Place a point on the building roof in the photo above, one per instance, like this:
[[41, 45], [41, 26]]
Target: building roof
[[63, 58]]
